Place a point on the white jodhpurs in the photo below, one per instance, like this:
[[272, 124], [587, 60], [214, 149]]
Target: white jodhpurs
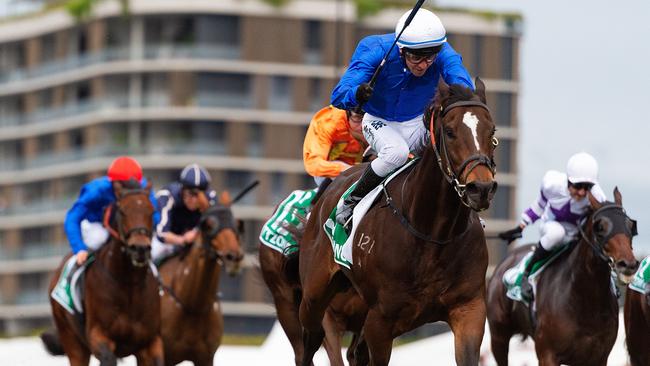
[[554, 234], [161, 250], [393, 141], [93, 234]]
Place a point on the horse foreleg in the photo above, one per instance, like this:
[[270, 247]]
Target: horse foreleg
[[102, 347], [378, 336], [77, 352], [153, 355], [467, 322], [357, 354], [332, 340]]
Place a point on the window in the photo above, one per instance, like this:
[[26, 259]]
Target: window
[[278, 191], [313, 43], [217, 30], [12, 56], [117, 33], [478, 55], [504, 109], [48, 48], [154, 90], [235, 180], [280, 93], [224, 90], [33, 288], [316, 97], [255, 139], [209, 137], [503, 156], [507, 57], [500, 207]]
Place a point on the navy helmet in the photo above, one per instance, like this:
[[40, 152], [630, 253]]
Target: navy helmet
[[195, 176]]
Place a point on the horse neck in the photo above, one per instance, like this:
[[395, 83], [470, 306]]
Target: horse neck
[[587, 272], [117, 263], [200, 280], [434, 202]]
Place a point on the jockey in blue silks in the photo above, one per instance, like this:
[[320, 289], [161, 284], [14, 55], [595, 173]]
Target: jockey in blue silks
[[83, 222], [404, 87], [179, 211]]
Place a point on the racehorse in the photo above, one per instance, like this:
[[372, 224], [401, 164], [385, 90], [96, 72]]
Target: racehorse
[[576, 319], [192, 322], [420, 253], [121, 306], [637, 327], [346, 312]]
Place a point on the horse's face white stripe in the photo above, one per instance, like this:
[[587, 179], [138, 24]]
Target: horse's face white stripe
[[471, 121]]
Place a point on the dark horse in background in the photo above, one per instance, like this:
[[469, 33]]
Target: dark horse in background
[[419, 256], [346, 312], [121, 302], [192, 321], [637, 327], [576, 310]]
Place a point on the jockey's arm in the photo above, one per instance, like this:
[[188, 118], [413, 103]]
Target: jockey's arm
[[73, 218], [154, 202], [364, 62], [450, 64]]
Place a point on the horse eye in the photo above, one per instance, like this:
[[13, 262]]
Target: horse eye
[[450, 133]]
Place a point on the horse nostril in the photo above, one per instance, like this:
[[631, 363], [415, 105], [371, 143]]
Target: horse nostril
[[230, 257], [628, 264], [482, 188]]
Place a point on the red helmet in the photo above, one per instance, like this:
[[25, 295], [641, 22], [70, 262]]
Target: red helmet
[[124, 168]]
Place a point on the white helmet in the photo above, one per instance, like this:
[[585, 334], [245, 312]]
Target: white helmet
[[426, 30], [582, 168]]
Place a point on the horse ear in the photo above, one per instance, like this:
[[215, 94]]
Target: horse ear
[[443, 88], [593, 201], [118, 186], [224, 198], [618, 198], [480, 89]]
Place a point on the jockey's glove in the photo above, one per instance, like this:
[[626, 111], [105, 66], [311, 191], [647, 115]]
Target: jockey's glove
[[364, 93], [511, 235]]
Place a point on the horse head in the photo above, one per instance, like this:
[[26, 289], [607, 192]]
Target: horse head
[[609, 230], [462, 137], [133, 218], [220, 234]]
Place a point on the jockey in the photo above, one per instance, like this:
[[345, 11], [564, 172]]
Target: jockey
[[179, 211], [394, 107], [561, 204], [334, 142], [83, 222]]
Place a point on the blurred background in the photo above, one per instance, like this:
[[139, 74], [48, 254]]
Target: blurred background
[[233, 84]]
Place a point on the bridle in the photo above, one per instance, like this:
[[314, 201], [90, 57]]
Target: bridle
[[120, 234], [225, 220], [597, 245], [473, 161]]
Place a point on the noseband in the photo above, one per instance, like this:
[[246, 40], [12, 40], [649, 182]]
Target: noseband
[[599, 245], [473, 161]]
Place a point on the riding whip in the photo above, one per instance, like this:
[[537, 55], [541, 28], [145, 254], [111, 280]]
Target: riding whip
[[248, 188], [373, 79]]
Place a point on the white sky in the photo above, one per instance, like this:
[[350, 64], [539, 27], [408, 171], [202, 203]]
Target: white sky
[[585, 82]]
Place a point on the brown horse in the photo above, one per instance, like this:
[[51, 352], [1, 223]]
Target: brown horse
[[121, 307], [346, 312], [420, 254], [637, 327], [192, 322], [576, 309]]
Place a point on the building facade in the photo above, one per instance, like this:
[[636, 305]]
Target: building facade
[[227, 84]]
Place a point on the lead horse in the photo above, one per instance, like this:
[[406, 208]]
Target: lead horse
[[192, 320], [121, 307], [426, 257], [576, 308]]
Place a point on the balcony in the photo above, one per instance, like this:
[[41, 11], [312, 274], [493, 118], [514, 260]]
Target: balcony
[[159, 51], [35, 250]]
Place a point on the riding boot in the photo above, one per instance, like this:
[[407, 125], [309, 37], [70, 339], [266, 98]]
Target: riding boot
[[368, 181], [526, 288]]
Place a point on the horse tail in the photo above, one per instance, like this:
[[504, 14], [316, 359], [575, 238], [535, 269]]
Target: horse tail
[[52, 342], [290, 268]]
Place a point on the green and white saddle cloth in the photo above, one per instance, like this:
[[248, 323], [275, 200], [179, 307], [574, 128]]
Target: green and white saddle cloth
[[512, 277], [340, 238], [67, 291], [641, 277], [275, 233]]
